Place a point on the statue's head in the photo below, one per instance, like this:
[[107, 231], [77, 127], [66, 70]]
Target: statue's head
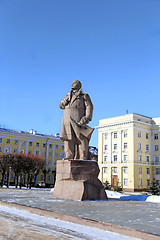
[[76, 85]]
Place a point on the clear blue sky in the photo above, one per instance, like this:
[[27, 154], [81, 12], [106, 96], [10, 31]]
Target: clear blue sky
[[111, 46]]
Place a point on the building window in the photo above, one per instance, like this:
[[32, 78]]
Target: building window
[[115, 135], [156, 136], [62, 147], [105, 169], [156, 148], [139, 146], [30, 144], [49, 179], [50, 145], [56, 154], [115, 146], [157, 170], [125, 170], [106, 136], [0, 149], [114, 170], [125, 158], [30, 152], [157, 182], [105, 159], [0, 140], [8, 140], [37, 144], [115, 158], [62, 155], [147, 159], [56, 146], [139, 134], [147, 136], [44, 145], [7, 150], [22, 151], [16, 141], [12, 177], [42, 178], [49, 162], [125, 146], [140, 170], [50, 154], [140, 182], [148, 182], [105, 147], [156, 160], [37, 152], [23, 143], [147, 147], [15, 151], [125, 134], [125, 182], [139, 158], [148, 170]]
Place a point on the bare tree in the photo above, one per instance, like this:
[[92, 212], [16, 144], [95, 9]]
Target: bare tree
[[5, 165], [21, 165]]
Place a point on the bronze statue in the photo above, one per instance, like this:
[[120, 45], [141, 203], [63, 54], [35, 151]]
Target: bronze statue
[[75, 133]]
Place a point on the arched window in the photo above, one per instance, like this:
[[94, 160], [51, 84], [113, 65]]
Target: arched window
[[37, 152], [7, 149]]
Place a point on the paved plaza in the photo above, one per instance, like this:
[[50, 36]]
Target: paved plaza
[[141, 216]]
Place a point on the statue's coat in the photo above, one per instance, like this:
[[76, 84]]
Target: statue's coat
[[79, 106]]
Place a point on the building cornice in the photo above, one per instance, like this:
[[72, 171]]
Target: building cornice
[[125, 123]]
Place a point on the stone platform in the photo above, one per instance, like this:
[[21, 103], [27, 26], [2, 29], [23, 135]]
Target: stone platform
[[78, 180]]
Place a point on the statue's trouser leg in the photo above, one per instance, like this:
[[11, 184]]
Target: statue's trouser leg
[[83, 149], [69, 149]]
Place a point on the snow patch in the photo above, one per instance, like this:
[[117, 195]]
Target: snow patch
[[153, 198], [147, 198], [83, 231]]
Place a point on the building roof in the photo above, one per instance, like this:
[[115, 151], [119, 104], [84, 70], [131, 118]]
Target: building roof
[[30, 133]]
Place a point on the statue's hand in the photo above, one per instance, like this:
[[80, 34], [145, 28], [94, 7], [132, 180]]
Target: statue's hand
[[64, 103], [84, 121]]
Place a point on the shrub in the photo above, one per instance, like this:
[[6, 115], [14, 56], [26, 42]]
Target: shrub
[[118, 189], [155, 188], [107, 186]]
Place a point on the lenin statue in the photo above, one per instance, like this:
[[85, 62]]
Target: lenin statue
[[77, 113]]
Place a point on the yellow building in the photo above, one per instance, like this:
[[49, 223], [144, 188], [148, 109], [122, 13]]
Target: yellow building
[[48, 147], [129, 151]]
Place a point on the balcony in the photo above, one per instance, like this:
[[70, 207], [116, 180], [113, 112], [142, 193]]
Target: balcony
[[156, 163]]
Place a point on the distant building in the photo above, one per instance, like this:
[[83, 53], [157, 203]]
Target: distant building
[[129, 151], [50, 148]]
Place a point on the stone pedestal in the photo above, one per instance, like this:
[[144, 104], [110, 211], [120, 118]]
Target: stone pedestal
[[78, 180]]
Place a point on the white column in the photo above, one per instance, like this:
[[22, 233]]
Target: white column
[[53, 154], [19, 147], [27, 147], [109, 147], [47, 148], [119, 146], [100, 146], [152, 156], [152, 151]]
